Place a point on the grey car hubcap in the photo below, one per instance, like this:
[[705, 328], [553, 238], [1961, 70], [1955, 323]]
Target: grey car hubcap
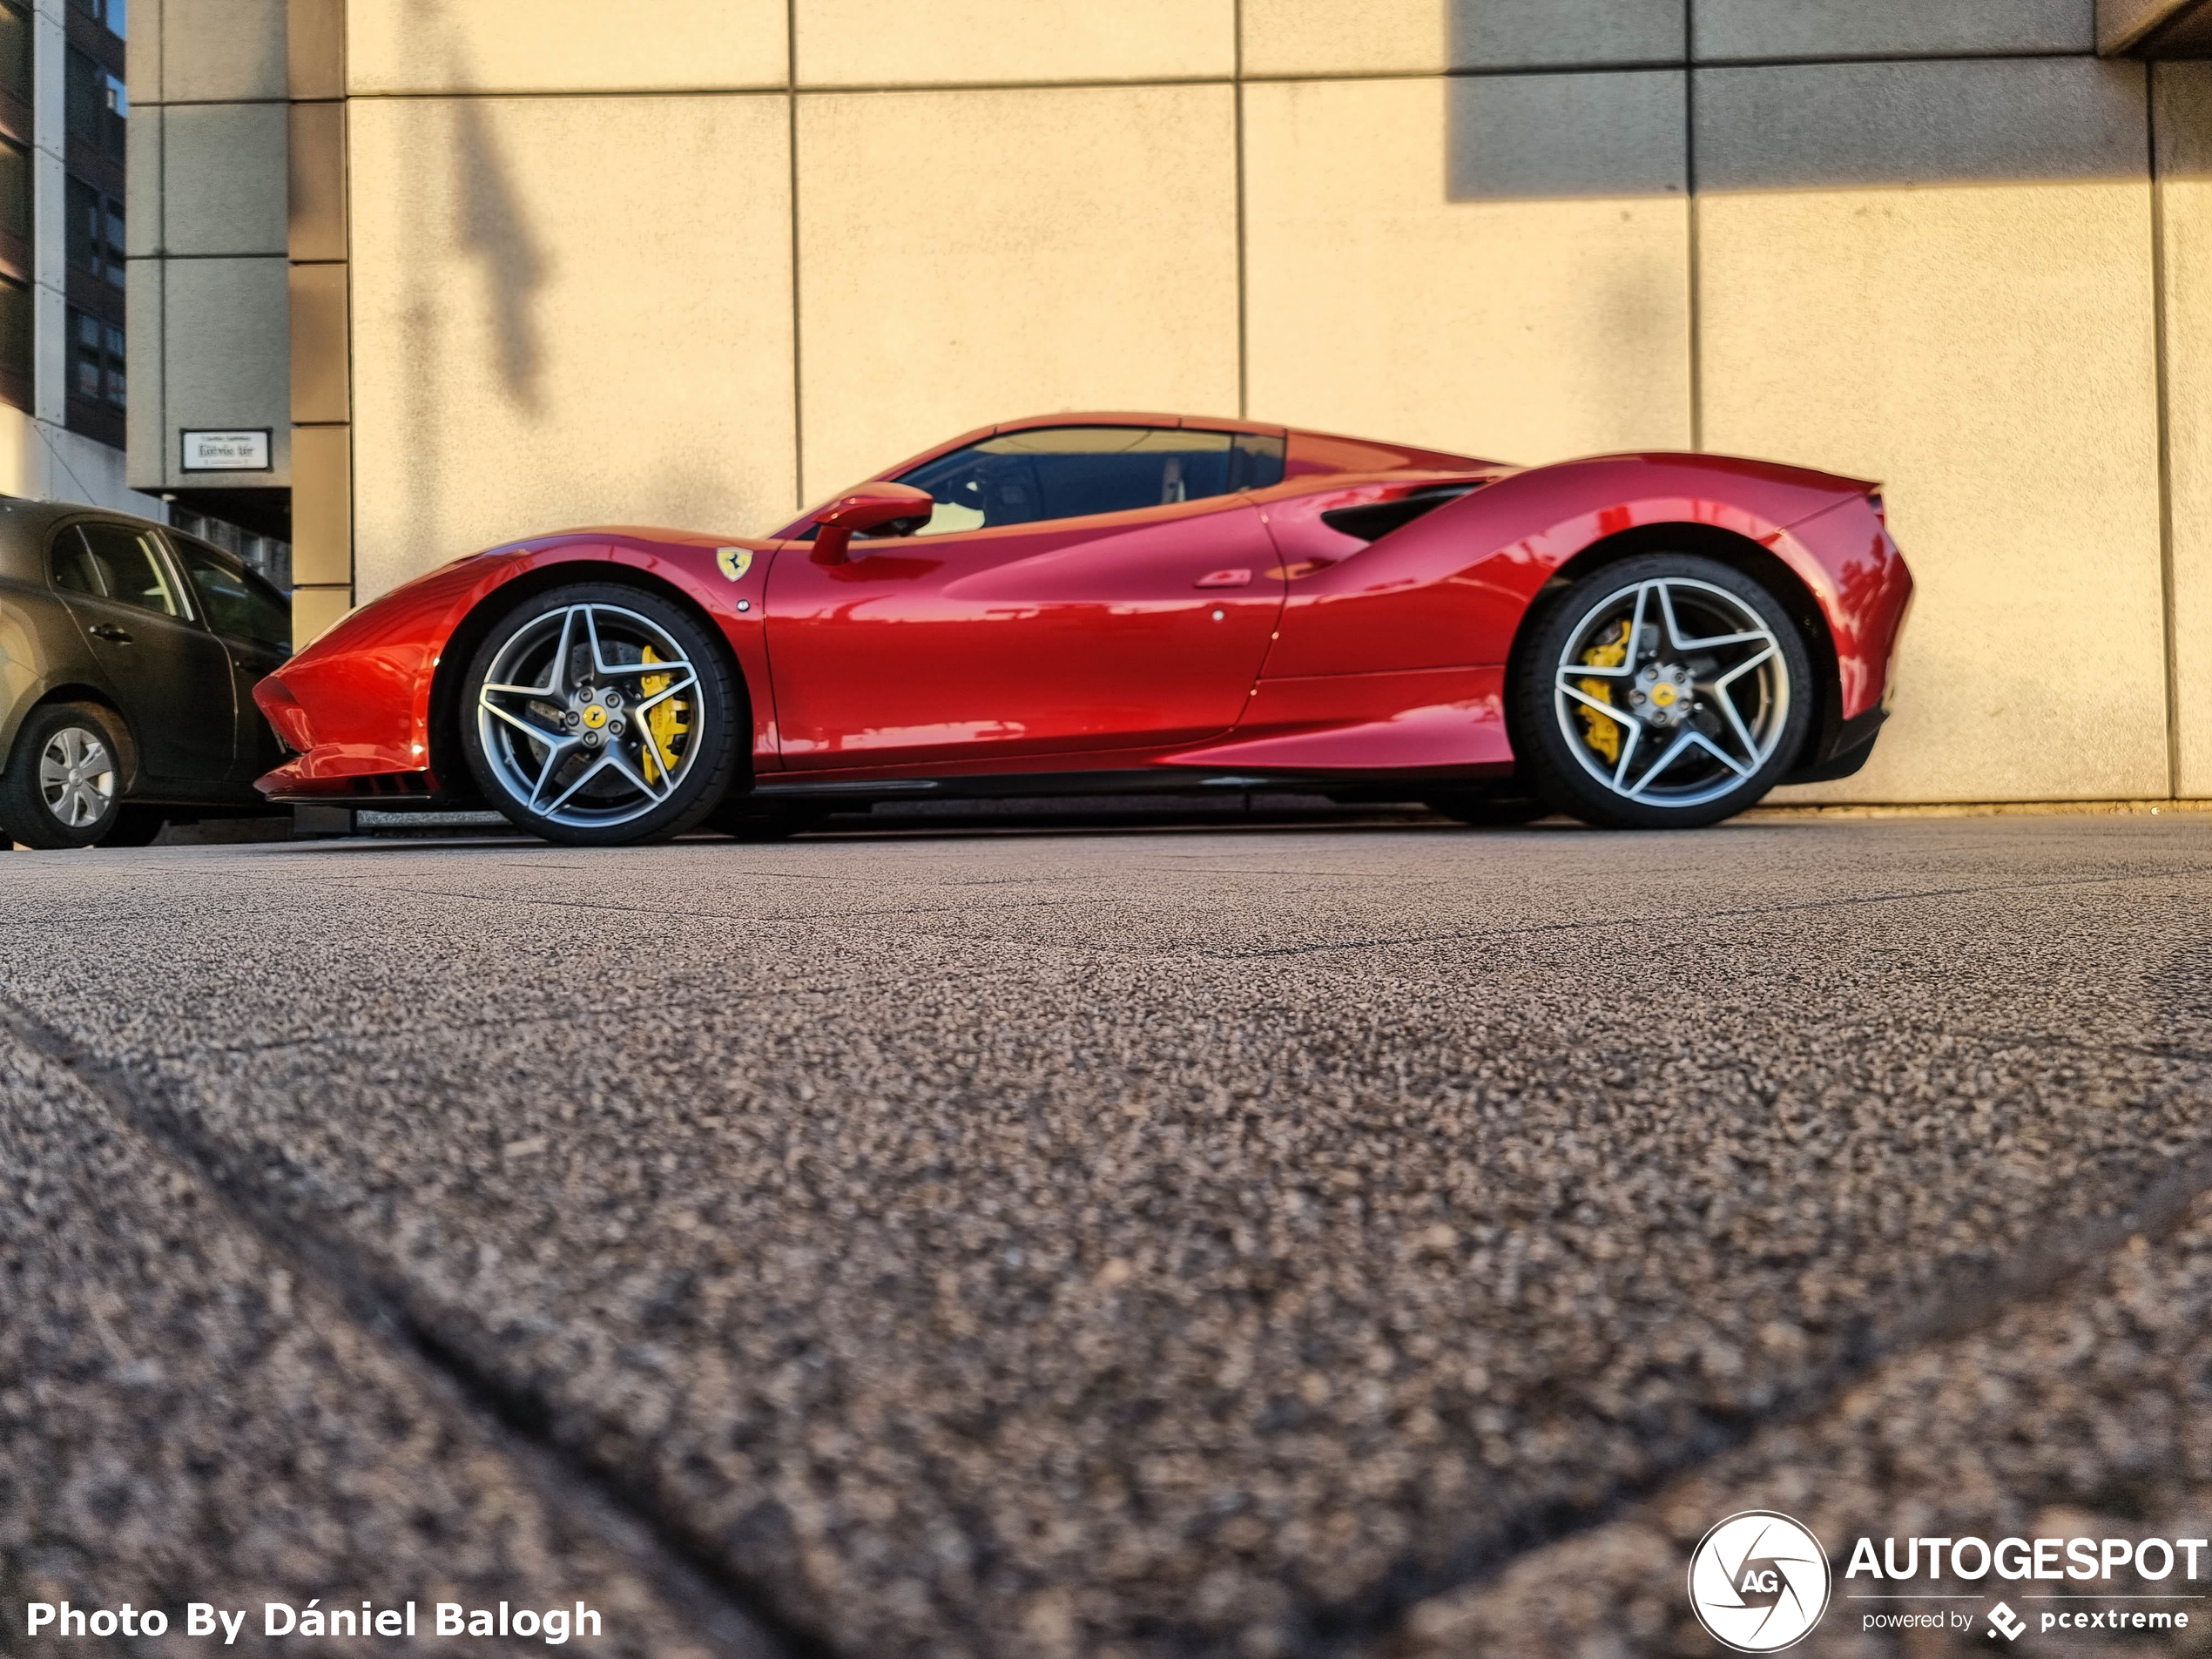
[[77, 777]]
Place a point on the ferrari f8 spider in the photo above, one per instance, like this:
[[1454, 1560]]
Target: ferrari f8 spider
[[1108, 603]]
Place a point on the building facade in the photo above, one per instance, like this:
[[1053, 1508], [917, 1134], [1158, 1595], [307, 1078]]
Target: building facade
[[63, 386], [485, 267]]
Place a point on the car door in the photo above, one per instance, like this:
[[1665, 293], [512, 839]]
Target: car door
[[254, 624], [1078, 589], [171, 675]]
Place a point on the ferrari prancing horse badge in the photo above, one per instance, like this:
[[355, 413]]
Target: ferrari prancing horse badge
[[734, 562]]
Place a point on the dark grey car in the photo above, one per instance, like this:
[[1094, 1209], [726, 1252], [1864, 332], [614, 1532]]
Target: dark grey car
[[128, 656]]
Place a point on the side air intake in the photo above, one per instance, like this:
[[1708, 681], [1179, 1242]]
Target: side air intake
[[1372, 521]]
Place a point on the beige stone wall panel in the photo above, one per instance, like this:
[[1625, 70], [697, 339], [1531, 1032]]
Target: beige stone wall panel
[[547, 334], [970, 257], [316, 182], [319, 348], [2184, 110], [865, 42], [315, 48], [1985, 350], [323, 489], [564, 45], [1529, 328], [1940, 275], [314, 611]]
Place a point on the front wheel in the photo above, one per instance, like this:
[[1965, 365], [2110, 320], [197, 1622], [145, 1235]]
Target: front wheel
[[600, 714], [1665, 691]]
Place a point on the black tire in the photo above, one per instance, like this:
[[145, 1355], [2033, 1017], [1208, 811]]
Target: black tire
[[624, 808], [1487, 811], [41, 810], [1717, 676], [136, 826]]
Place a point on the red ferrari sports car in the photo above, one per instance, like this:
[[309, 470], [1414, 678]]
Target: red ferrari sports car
[[1085, 604]]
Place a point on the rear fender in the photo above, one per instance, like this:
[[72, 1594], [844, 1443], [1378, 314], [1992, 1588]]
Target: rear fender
[[1450, 589]]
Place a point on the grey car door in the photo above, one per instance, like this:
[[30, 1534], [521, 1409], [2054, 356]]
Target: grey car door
[[254, 624], [172, 677]]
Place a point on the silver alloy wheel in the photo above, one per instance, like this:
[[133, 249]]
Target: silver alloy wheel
[[587, 716], [77, 777], [1671, 691]]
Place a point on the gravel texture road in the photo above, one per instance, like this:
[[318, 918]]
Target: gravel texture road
[[1379, 1241]]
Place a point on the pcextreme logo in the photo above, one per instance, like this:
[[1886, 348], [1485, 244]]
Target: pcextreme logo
[[1758, 1581]]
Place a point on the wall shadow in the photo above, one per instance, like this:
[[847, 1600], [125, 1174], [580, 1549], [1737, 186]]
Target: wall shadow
[[1796, 126]]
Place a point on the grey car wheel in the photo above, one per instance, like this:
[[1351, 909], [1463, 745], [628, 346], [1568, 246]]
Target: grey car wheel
[[66, 779]]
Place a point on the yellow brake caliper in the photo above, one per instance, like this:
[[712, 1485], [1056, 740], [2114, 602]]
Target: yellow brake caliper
[[1604, 735], [664, 722]]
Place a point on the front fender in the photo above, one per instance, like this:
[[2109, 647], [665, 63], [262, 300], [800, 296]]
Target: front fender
[[362, 701]]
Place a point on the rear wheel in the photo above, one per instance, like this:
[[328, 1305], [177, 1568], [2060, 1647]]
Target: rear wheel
[[598, 715], [64, 787], [1665, 691]]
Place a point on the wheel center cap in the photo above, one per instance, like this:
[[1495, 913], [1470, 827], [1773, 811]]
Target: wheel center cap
[[1662, 693], [595, 717]]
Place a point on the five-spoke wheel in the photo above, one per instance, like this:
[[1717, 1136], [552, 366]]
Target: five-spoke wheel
[[599, 714], [1666, 689]]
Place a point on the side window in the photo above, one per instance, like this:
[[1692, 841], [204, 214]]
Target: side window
[[235, 601], [1072, 471], [130, 567], [74, 570]]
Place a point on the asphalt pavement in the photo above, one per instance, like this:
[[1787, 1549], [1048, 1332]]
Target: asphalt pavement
[[1374, 1240]]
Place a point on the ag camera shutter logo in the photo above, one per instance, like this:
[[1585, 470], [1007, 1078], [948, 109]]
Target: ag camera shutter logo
[[1758, 1581]]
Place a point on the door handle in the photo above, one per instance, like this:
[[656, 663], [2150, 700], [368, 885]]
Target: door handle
[[1225, 579], [109, 630]]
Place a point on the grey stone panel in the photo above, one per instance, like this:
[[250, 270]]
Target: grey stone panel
[[1532, 34], [142, 182], [228, 357], [2183, 92], [1981, 120], [1770, 28], [1613, 133], [150, 455], [217, 50], [224, 178]]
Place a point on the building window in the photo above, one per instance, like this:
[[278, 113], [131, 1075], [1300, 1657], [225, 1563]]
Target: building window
[[15, 328], [95, 105], [114, 13], [15, 49], [96, 352], [14, 190], [95, 240]]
